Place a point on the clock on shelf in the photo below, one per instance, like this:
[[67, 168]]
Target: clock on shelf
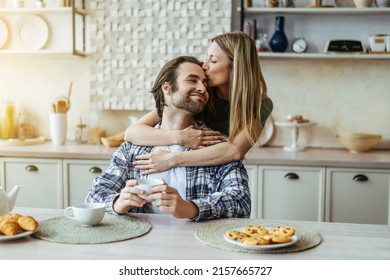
[[299, 45]]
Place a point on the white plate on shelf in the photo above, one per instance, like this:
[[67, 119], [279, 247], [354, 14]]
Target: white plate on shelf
[[294, 240], [267, 132], [3, 33], [31, 32], [17, 236]]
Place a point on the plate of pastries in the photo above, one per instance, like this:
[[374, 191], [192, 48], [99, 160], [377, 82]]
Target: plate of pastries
[[257, 237], [15, 225]]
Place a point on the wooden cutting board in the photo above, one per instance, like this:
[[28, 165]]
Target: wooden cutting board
[[18, 142]]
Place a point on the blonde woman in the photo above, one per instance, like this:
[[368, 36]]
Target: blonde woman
[[238, 107]]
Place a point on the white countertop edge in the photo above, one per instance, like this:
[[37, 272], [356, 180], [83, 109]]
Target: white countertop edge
[[316, 157]]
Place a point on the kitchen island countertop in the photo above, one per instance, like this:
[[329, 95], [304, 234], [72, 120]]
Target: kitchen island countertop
[[172, 238], [322, 157]]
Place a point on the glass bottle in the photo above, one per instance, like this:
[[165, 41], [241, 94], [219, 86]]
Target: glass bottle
[[80, 132], [8, 121], [279, 41]]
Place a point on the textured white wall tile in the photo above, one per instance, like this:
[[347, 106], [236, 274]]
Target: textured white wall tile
[[134, 38]]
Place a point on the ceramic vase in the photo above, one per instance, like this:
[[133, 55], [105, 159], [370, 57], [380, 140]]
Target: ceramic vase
[[279, 41], [382, 3], [363, 3]]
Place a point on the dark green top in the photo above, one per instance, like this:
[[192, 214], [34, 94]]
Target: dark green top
[[219, 121]]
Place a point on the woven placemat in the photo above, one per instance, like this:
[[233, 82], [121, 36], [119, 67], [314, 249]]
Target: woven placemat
[[111, 229], [213, 233]]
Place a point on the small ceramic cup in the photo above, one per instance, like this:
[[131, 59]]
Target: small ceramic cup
[[363, 3], [147, 185], [378, 42], [87, 214], [382, 3]]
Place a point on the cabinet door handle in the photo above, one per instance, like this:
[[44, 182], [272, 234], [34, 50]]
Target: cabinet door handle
[[31, 168], [95, 170], [291, 176], [360, 178]]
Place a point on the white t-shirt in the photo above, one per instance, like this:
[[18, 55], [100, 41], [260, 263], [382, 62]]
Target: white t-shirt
[[174, 177]]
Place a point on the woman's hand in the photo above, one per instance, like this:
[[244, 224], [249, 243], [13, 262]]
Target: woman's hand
[[196, 138], [154, 162]]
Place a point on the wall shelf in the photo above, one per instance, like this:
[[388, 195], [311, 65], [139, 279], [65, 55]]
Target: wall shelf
[[318, 26], [67, 26], [291, 55], [316, 11]]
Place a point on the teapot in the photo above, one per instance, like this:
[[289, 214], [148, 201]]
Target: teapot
[[7, 201]]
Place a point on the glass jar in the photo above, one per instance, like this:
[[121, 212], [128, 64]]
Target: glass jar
[[96, 129], [8, 121], [25, 128], [262, 43]]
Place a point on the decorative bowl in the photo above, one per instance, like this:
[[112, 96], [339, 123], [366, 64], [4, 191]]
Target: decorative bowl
[[358, 142]]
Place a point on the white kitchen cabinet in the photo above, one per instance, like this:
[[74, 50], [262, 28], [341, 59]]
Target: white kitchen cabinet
[[357, 196], [50, 30], [253, 187], [318, 25], [41, 181], [291, 193], [78, 178]]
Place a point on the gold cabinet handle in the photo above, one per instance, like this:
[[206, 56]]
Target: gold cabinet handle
[[31, 168], [291, 176], [95, 169]]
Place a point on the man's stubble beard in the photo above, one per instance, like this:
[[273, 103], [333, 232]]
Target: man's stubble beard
[[186, 103]]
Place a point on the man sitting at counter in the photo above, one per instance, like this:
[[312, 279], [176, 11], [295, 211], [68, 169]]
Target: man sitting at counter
[[196, 193]]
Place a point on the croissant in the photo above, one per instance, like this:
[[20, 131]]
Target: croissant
[[9, 228], [28, 223], [12, 217]]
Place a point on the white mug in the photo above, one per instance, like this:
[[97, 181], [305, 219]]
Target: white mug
[[87, 214], [58, 128], [378, 42], [147, 184]]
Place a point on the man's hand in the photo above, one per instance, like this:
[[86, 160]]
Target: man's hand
[[129, 198], [169, 200]]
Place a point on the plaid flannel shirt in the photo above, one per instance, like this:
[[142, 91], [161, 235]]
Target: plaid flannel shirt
[[220, 191]]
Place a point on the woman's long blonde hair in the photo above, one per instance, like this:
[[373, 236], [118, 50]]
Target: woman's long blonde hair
[[247, 85]]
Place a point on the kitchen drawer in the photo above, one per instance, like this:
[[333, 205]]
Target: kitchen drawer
[[41, 181], [78, 178], [357, 196], [291, 193]]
